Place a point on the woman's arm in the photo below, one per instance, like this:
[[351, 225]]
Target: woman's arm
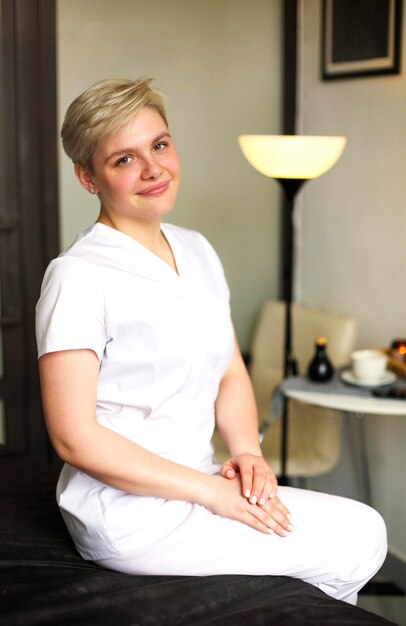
[[237, 423], [68, 385], [236, 412]]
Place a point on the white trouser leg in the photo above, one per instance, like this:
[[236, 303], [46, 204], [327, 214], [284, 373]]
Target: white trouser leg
[[337, 544]]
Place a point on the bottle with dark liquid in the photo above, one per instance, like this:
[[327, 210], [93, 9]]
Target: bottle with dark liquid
[[320, 369]]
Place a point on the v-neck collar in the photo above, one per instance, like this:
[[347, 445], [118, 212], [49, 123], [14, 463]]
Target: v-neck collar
[[175, 249], [140, 258]]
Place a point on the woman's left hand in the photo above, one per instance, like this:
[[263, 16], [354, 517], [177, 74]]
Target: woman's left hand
[[258, 481]]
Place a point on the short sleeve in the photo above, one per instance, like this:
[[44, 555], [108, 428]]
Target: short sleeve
[[70, 311]]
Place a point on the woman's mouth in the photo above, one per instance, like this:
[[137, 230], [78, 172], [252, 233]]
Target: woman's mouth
[[154, 190]]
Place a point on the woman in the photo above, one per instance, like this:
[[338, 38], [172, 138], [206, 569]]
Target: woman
[[138, 362]]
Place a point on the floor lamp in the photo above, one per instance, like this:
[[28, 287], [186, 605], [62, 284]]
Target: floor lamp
[[291, 160]]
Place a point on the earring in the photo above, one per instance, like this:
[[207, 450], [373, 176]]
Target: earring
[[91, 190]]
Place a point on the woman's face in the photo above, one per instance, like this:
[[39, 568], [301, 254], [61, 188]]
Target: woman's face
[[135, 171]]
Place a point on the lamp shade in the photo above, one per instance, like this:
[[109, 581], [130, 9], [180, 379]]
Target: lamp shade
[[291, 156]]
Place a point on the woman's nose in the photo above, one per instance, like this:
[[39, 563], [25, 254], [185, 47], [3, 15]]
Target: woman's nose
[[150, 168]]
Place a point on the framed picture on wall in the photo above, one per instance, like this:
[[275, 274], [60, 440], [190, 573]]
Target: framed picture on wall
[[361, 38]]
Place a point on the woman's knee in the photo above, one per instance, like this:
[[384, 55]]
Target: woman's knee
[[379, 535], [369, 543]]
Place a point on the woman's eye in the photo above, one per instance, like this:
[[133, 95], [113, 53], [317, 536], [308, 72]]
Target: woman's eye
[[159, 146], [124, 160]]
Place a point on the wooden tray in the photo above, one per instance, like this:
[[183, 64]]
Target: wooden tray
[[395, 365]]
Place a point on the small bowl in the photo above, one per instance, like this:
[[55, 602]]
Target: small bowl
[[368, 364]]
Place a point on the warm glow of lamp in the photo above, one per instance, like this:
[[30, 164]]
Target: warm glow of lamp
[[291, 156]]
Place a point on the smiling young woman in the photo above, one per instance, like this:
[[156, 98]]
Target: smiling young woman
[[135, 172], [139, 363]]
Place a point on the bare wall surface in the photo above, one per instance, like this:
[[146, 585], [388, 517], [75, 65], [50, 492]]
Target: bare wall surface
[[353, 233], [218, 62]]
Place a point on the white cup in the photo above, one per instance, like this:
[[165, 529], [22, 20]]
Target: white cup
[[368, 364]]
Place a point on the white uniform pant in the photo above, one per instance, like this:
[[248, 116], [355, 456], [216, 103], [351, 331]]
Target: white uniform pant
[[337, 545]]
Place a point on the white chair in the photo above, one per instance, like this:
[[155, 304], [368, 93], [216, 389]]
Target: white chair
[[314, 433]]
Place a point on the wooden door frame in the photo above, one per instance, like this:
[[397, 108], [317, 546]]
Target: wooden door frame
[[28, 204]]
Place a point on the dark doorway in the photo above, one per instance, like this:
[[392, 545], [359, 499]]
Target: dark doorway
[[28, 208]]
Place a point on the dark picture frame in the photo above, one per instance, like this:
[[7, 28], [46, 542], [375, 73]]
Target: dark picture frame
[[361, 38]]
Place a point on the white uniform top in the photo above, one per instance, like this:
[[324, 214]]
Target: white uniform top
[[164, 341]]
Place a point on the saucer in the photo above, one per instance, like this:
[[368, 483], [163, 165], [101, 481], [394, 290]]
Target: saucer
[[387, 378]]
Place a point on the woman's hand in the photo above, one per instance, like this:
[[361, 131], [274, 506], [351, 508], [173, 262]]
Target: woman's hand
[[258, 481], [226, 499]]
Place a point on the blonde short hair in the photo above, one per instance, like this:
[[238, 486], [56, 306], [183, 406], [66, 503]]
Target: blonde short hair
[[103, 109]]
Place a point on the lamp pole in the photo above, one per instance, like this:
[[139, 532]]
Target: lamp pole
[[291, 187]]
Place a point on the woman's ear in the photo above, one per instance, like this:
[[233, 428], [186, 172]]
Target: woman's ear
[[85, 178]]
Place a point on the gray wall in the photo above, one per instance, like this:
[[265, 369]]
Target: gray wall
[[352, 239]]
